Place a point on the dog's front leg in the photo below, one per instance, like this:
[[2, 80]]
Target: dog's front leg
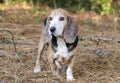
[[69, 72], [40, 49]]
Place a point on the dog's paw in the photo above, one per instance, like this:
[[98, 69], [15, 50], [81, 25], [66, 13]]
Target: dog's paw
[[70, 78], [36, 69]]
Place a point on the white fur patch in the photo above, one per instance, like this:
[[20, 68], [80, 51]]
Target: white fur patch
[[62, 50], [69, 74]]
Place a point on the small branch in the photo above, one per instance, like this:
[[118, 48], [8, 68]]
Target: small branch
[[14, 44], [100, 39], [18, 43]]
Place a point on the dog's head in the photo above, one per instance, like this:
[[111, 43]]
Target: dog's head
[[60, 23]]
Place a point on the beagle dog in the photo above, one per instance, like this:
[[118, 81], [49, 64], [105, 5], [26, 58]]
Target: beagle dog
[[61, 33]]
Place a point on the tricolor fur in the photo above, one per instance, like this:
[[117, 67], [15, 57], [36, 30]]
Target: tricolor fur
[[61, 33]]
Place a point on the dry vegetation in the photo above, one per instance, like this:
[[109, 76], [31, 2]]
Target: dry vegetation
[[96, 62]]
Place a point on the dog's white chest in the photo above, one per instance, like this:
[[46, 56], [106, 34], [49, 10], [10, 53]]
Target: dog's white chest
[[62, 50]]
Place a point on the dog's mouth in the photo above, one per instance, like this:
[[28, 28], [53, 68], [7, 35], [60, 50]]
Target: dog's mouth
[[53, 34]]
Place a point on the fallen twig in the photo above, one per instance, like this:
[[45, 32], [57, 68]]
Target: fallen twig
[[14, 44], [100, 39], [18, 43]]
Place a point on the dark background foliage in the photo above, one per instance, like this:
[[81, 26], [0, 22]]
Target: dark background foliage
[[99, 6]]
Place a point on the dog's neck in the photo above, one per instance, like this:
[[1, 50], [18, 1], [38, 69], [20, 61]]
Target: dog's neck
[[70, 46]]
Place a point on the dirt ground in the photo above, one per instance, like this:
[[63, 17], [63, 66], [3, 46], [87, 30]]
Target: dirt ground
[[96, 62]]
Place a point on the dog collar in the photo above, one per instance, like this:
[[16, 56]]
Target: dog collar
[[70, 46]]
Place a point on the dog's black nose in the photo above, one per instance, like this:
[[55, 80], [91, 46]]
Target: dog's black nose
[[52, 29]]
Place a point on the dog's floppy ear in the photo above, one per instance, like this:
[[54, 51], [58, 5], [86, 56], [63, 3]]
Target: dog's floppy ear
[[45, 33], [70, 31]]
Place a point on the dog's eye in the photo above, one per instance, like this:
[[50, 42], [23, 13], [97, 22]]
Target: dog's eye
[[50, 18], [61, 18]]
